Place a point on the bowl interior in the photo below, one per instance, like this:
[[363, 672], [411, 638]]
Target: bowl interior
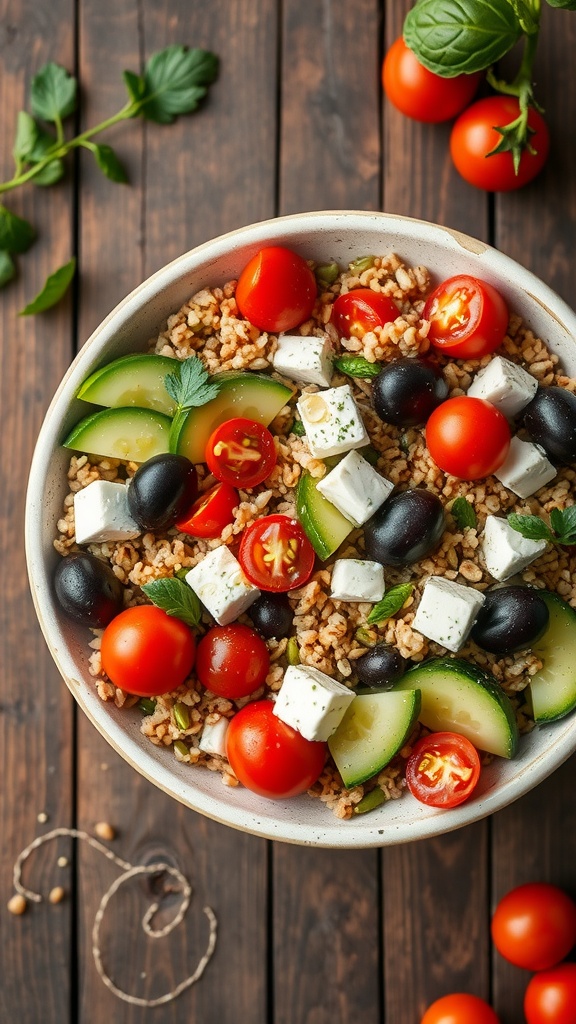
[[324, 237]]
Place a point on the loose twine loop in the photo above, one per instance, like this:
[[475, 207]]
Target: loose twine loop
[[128, 871]]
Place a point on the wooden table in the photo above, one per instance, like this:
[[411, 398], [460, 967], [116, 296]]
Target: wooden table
[[295, 122]]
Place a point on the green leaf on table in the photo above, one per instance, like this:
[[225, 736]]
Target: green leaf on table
[[567, 5], [16, 234], [190, 385], [390, 604], [464, 514], [175, 598], [53, 93], [135, 86], [55, 287], [49, 174], [452, 37], [357, 366], [26, 136], [7, 268], [108, 162], [175, 80]]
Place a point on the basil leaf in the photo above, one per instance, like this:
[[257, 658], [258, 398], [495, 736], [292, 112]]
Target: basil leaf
[[50, 174], [390, 604], [175, 80], [357, 366], [7, 268], [464, 514], [529, 22], [55, 287], [567, 5], [16, 235], [175, 598], [452, 37], [53, 93], [531, 527], [108, 162]]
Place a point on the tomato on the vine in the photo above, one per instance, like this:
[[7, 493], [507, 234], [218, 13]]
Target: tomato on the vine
[[460, 1008], [211, 512], [241, 452], [534, 925], [550, 997], [232, 661], [443, 769], [474, 136], [361, 310], [269, 757], [275, 553], [468, 437], [147, 652], [277, 290], [419, 93], [468, 318]]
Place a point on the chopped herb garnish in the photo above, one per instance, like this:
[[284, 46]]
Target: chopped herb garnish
[[175, 598], [463, 512], [190, 385], [391, 603], [357, 366], [370, 801], [562, 529], [360, 265], [327, 273], [147, 705]]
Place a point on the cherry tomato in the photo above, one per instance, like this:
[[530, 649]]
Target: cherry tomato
[[232, 661], [275, 553], [211, 512], [474, 136], [468, 318], [443, 769], [550, 997], [468, 437], [459, 1008], [534, 926], [241, 452], [270, 757], [276, 291], [419, 93], [147, 652], [361, 310]]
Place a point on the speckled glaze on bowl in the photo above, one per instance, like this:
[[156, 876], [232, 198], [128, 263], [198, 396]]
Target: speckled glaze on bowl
[[340, 236]]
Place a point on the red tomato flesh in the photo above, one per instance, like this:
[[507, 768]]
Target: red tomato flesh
[[468, 318], [550, 997], [241, 452], [419, 93], [361, 310], [275, 554], [147, 652], [232, 661], [443, 769], [460, 1008], [468, 437], [534, 926], [211, 512], [276, 291]]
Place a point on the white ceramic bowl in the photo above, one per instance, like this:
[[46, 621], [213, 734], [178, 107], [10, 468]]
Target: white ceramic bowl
[[340, 236]]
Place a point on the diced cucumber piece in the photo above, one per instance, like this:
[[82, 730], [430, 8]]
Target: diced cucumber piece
[[131, 380], [459, 697], [251, 395], [373, 730], [132, 434], [323, 524], [553, 688]]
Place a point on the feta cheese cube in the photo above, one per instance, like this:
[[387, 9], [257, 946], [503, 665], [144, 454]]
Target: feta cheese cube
[[505, 385], [311, 702], [355, 488], [213, 738], [506, 552], [447, 612], [332, 422], [221, 586], [525, 469], [307, 360], [101, 513], [355, 579]]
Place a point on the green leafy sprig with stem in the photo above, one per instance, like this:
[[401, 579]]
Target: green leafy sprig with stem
[[562, 529], [173, 82]]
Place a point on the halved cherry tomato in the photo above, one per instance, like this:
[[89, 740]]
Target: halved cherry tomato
[[275, 553], [276, 291], [468, 437], [550, 997], [211, 512], [534, 926], [361, 310], [147, 652], [443, 769], [241, 452], [460, 1008], [418, 92], [270, 757], [232, 661], [468, 318]]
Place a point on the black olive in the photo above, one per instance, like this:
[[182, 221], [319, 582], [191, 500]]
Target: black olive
[[162, 489], [511, 619], [272, 615], [87, 589], [407, 527], [380, 667], [550, 419], [406, 391]]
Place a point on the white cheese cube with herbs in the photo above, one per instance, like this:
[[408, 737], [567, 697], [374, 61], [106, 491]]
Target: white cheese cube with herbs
[[332, 422], [505, 385], [213, 738], [307, 360], [355, 488], [505, 551], [220, 584], [101, 513], [357, 579], [525, 469], [447, 612], [311, 702]]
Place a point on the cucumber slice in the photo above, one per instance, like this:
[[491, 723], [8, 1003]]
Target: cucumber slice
[[323, 524], [132, 434], [553, 688], [131, 380], [253, 395], [373, 730], [459, 697]]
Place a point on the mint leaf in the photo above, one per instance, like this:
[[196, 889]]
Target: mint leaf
[[357, 366], [464, 514], [452, 37], [564, 524], [55, 287], [390, 604], [190, 385], [108, 162], [7, 268], [175, 80], [175, 598], [531, 527], [16, 235], [53, 93]]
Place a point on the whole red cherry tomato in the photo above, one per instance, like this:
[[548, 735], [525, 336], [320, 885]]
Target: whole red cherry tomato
[[419, 93], [468, 437], [459, 1008], [468, 318], [443, 769], [361, 310], [275, 553], [276, 291], [534, 926], [241, 452], [474, 137], [211, 512], [147, 652], [550, 997], [232, 661]]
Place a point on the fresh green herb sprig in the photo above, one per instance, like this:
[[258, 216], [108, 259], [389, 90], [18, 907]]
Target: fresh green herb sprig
[[391, 603], [175, 598], [357, 366], [562, 529], [173, 82], [463, 513], [190, 385]]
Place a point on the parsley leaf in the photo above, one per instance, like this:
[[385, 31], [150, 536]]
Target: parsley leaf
[[53, 93], [391, 603], [176, 598], [55, 287], [108, 162], [190, 385], [464, 514], [174, 82], [357, 366]]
